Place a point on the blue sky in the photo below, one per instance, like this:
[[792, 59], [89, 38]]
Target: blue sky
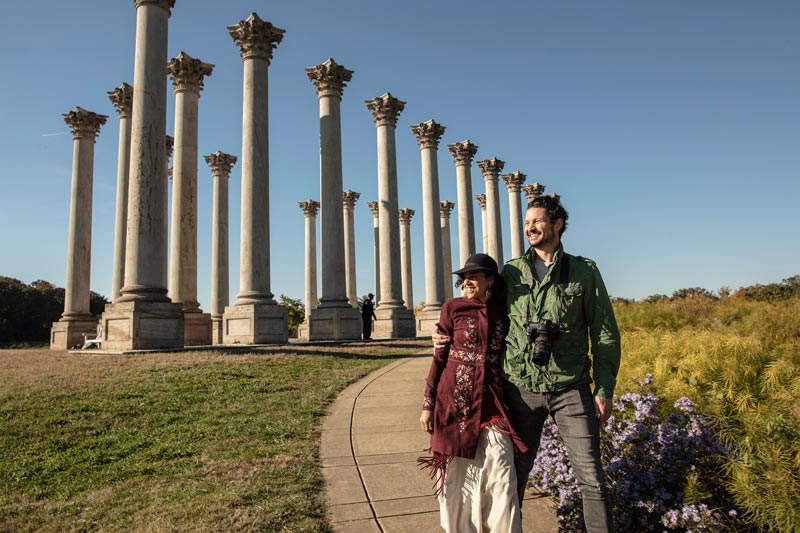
[[670, 129]]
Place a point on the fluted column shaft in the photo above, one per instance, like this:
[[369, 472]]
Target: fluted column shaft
[[404, 216], [481, 198], [513, 183], [145, 247], [376, 263], [85, 126], [122, 98], [385, 110], [256, 40], [491, 170], [310, 208], [221, 165], [187, 75], [428, 135], [463, 153], [349, 199], [447, 258]]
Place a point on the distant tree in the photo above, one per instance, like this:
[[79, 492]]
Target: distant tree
[[28, 311], [653, 298], [296, 311], [693, 292]]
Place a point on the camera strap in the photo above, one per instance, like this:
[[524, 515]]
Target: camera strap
[[563, 280]]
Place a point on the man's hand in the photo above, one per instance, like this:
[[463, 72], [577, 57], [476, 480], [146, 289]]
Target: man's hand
[[426, 421], [439, 339], [602, 408]]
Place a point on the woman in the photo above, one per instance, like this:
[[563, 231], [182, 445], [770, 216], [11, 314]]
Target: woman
[[464, 410]]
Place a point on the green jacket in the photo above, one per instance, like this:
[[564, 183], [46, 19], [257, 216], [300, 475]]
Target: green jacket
[[584, 312]]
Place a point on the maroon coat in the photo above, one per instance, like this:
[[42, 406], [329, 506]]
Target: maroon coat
[[462, 373]]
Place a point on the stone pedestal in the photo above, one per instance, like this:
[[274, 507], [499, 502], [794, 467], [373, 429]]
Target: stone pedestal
[[142, 325], [394, 324], [332, 323], [69, 335], [197, 329], [254, 324]]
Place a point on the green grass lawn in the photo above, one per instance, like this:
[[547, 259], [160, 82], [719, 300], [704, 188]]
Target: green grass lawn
[[195, 441]]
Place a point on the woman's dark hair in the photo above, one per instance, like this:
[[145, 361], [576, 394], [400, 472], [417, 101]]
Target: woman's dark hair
[[552, 206], [498, 287]]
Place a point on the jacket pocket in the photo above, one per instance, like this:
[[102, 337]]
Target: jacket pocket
[[571, 307]]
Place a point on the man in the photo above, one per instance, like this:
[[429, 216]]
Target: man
[[557, 303], [367, 314]]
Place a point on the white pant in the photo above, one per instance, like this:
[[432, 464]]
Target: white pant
[[480, 494]]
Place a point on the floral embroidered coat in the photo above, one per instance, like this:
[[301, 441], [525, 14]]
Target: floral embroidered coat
[[462, 373]]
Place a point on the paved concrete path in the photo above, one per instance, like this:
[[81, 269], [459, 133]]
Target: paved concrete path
[[370, 444]]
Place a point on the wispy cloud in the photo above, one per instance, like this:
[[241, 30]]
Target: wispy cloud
[[54, 134]]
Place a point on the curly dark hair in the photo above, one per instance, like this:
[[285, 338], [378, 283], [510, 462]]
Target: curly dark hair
[[552, 206], [498, 289]]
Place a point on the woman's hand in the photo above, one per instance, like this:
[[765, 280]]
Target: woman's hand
[[426, 421], [440, 340]]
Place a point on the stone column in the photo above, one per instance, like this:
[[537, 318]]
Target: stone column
[[373, 206], [187, 74], [447, 258], [255, 318], [143, 317], [491, 169], [463, 153], [428, 135], [77, 319], [481, 198], [122, 98], [514, 181], [393, 319], [170, 145], [310, 208], [404, 216], [349, 199], [335, 318], [221, 165], [532, 191]]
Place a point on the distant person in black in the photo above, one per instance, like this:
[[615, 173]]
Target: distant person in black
[[367, 314]]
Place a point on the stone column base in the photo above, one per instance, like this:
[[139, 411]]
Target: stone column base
[[216, 329], [196, 329], [332, 324], [255, 324], [394, 323], [68, 334], [142, 325], [426, 318]]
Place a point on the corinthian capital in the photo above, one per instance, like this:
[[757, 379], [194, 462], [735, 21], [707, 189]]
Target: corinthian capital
[[513, 180], [330, 78], [445, 208], [122, 98], [256, 38], [491, 168], [84, 124], [309, 207], [385, 109], [481, 198], [533, 190], [166, 5], [170, 144], [187, 73], [462, 152], [349, 198], [373, 206], [220, 163], [405, 215], [428, 133]]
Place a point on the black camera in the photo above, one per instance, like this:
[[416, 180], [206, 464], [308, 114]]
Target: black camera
[[542, 334]]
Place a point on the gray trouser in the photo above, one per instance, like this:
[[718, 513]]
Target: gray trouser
[[574, 414]]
